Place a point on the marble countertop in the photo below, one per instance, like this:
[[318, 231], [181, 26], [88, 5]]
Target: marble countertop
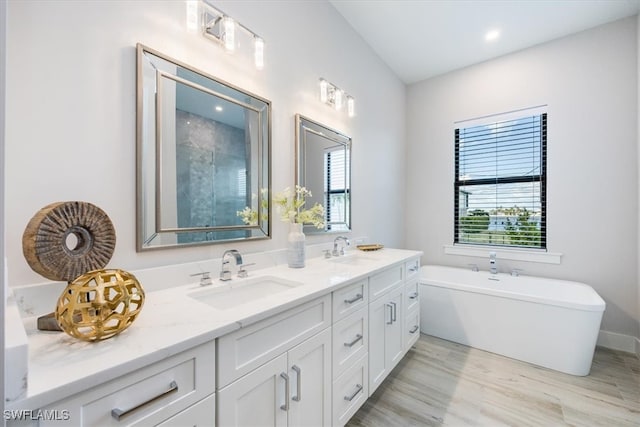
[[171, 322]]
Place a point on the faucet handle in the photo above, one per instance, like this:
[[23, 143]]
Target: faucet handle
[[474, 267], [327, 253], [516, 272], [205, 279], [242, 273]]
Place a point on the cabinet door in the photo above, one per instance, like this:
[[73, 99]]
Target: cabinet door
[[385, 336], [310, 376], [380, 315], [394, 331], [257, 399]]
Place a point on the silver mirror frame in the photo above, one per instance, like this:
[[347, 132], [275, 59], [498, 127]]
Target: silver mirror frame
[[143, 214], [304, 126]]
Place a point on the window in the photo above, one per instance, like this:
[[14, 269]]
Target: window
[[336, 190], [500, 183]]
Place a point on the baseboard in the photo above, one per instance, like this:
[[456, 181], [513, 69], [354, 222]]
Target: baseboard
[[621, 342]]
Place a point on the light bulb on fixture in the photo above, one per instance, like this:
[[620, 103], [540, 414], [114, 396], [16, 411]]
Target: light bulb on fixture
[[351, 106], [258, 52], [192, 16], [338, 99], [324, 90], [229, 34]]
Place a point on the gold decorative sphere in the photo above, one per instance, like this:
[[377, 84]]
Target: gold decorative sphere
[[99, 304]]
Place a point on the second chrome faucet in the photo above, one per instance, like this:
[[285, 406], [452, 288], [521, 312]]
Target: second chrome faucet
[[225, 272]]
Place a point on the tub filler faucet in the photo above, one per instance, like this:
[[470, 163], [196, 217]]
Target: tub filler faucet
[[493, 267]]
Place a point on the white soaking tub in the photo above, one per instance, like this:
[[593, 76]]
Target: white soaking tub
[[547, 322]]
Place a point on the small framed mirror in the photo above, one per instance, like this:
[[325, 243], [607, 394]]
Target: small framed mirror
[[323, 166], [203, 157]]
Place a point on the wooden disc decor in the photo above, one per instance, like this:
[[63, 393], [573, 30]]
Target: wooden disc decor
[[66, 239], [99, 304]]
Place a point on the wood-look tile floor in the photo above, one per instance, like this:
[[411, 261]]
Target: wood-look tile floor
[[440, 383]]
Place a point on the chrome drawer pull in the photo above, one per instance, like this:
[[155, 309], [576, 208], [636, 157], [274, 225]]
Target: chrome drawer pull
[[358, 297], [119, 413], [358, 390], [285, 407], [413, 295], [413, 269], [352, 343], [395, 312], [414, 329], [298, 371]]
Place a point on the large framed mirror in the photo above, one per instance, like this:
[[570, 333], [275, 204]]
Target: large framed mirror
[[203, 157], [323, 166]]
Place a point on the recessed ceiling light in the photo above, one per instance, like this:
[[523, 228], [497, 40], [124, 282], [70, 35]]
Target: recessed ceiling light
[[492, 35], [218, 108]]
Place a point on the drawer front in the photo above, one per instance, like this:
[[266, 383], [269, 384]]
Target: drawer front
[[411, 328], [202, 414], [411, 298], [147, 396], [350, 340], [384, 281], [350, 391], [248, 348], [412, 268], [349, 299]]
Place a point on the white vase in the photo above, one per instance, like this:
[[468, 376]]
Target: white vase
[[295, 248]]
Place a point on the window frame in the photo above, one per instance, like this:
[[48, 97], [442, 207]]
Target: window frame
[[541, 177]]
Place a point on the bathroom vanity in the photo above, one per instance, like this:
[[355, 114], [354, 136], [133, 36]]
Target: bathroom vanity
[[309, 351]]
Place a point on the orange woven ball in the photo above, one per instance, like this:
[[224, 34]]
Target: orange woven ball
[[99, 304]]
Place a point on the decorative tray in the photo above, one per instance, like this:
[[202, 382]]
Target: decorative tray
[[373, 247]]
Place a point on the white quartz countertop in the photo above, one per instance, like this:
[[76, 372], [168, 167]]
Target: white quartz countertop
[[171, 322]]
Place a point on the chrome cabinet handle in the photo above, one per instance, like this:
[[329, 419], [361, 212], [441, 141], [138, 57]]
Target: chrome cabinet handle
[[298, 372], [352, 343], [414, 268], [390, 322], [413, 295], [414, 329], [394, 312], [358, 390], [285, 407], [358, 297], [118, 413]]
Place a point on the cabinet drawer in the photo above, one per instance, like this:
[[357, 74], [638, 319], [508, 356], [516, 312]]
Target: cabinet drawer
[[384, 281], [350, 391], [349, 299], [411, 328], [202, 414], [411, 299], [147, 396], [412, 268], [248, 348], [350, 340]]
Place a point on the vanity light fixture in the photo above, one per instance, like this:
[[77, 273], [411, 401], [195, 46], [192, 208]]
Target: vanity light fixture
[[223, 29], [335, 97]]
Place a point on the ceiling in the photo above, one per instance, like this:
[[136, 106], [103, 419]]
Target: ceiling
[[419, 39]]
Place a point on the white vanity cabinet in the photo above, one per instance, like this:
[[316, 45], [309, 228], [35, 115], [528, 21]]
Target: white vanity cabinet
[[394, 324], [277, 372], [149, 396]]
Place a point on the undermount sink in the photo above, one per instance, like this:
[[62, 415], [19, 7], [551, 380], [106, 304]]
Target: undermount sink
[[351, 259], [241, 291]]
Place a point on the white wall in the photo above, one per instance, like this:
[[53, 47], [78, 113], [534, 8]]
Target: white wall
[[71, 110], [3, 44], [589, 80]]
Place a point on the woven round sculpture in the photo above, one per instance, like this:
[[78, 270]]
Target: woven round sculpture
[[66, 239], [99, 304]]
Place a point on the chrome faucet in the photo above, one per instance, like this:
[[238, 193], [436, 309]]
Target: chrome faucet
[[225, 273], [493, 268], [335, 245]]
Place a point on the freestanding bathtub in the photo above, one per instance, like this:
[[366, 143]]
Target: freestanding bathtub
[[547, 322]]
